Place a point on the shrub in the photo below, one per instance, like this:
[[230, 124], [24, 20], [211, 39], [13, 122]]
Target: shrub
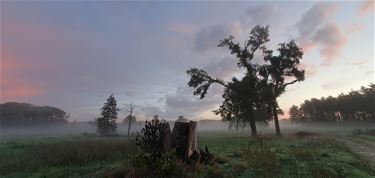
[[150, 139], [151, 159]]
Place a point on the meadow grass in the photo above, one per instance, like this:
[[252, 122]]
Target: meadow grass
[[237, 155]]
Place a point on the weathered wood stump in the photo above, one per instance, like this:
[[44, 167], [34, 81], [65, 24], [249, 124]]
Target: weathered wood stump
[[166, 138], [184, 139]]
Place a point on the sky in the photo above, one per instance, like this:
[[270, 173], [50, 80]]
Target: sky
[[74, 54]]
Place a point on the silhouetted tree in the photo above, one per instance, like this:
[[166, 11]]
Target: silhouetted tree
[[355, 106], [281, 71], [25, 114], [130, 118], [106, 124], [246, 98], [241, 97]]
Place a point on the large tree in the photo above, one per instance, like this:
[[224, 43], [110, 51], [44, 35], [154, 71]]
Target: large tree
[[106, 124], [258, 90], [241, 98]]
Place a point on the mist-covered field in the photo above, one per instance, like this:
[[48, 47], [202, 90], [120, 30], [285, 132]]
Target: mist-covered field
[[75, 150], [79, 128]]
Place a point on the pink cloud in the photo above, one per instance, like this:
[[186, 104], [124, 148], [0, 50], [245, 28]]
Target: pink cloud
[[307, 46], [30, 52], [353, 28], [331, 39], [366, 7], [13, 84], [310, 69], [316, 31]]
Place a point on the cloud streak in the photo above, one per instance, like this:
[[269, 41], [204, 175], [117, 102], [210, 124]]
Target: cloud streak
[[317, 30], [366, 7]]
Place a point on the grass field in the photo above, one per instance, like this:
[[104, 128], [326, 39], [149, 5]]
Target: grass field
[[237, 155]]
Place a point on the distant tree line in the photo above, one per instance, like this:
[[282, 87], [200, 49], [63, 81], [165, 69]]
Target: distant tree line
[[25, 114], [354, 106]]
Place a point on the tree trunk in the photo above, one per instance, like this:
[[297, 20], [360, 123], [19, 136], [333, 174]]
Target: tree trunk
[[276, 118], [184, 139], [166, 137], [253, 128]]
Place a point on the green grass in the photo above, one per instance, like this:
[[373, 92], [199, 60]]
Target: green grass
[[237, 155], [60, 156], [295, 157]]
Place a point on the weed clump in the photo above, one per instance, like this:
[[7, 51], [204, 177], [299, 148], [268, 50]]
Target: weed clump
[[261, 159], [221, 159], [303, 134], [370, 132], [303, 154], [152, 159]]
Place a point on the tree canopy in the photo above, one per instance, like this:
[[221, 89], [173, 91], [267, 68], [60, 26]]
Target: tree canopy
[[25, 114], [106, 123], [358, 105], [255, 94]]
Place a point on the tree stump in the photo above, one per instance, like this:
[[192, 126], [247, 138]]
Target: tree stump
[[166, 138], [184, 139]]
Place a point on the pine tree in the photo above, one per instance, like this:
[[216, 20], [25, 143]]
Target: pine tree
[[106, 124]]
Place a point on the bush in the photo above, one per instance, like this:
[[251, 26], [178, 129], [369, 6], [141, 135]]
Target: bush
[[150, 139], [151, 159]]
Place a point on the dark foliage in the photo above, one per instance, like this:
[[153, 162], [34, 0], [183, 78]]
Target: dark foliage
[[150, 138], [25, 114], [355, 106], [281, 71], [151, 155], [253, 97], [106, 124]]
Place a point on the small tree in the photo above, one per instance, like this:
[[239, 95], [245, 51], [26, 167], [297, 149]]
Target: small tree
[[106, 124]]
